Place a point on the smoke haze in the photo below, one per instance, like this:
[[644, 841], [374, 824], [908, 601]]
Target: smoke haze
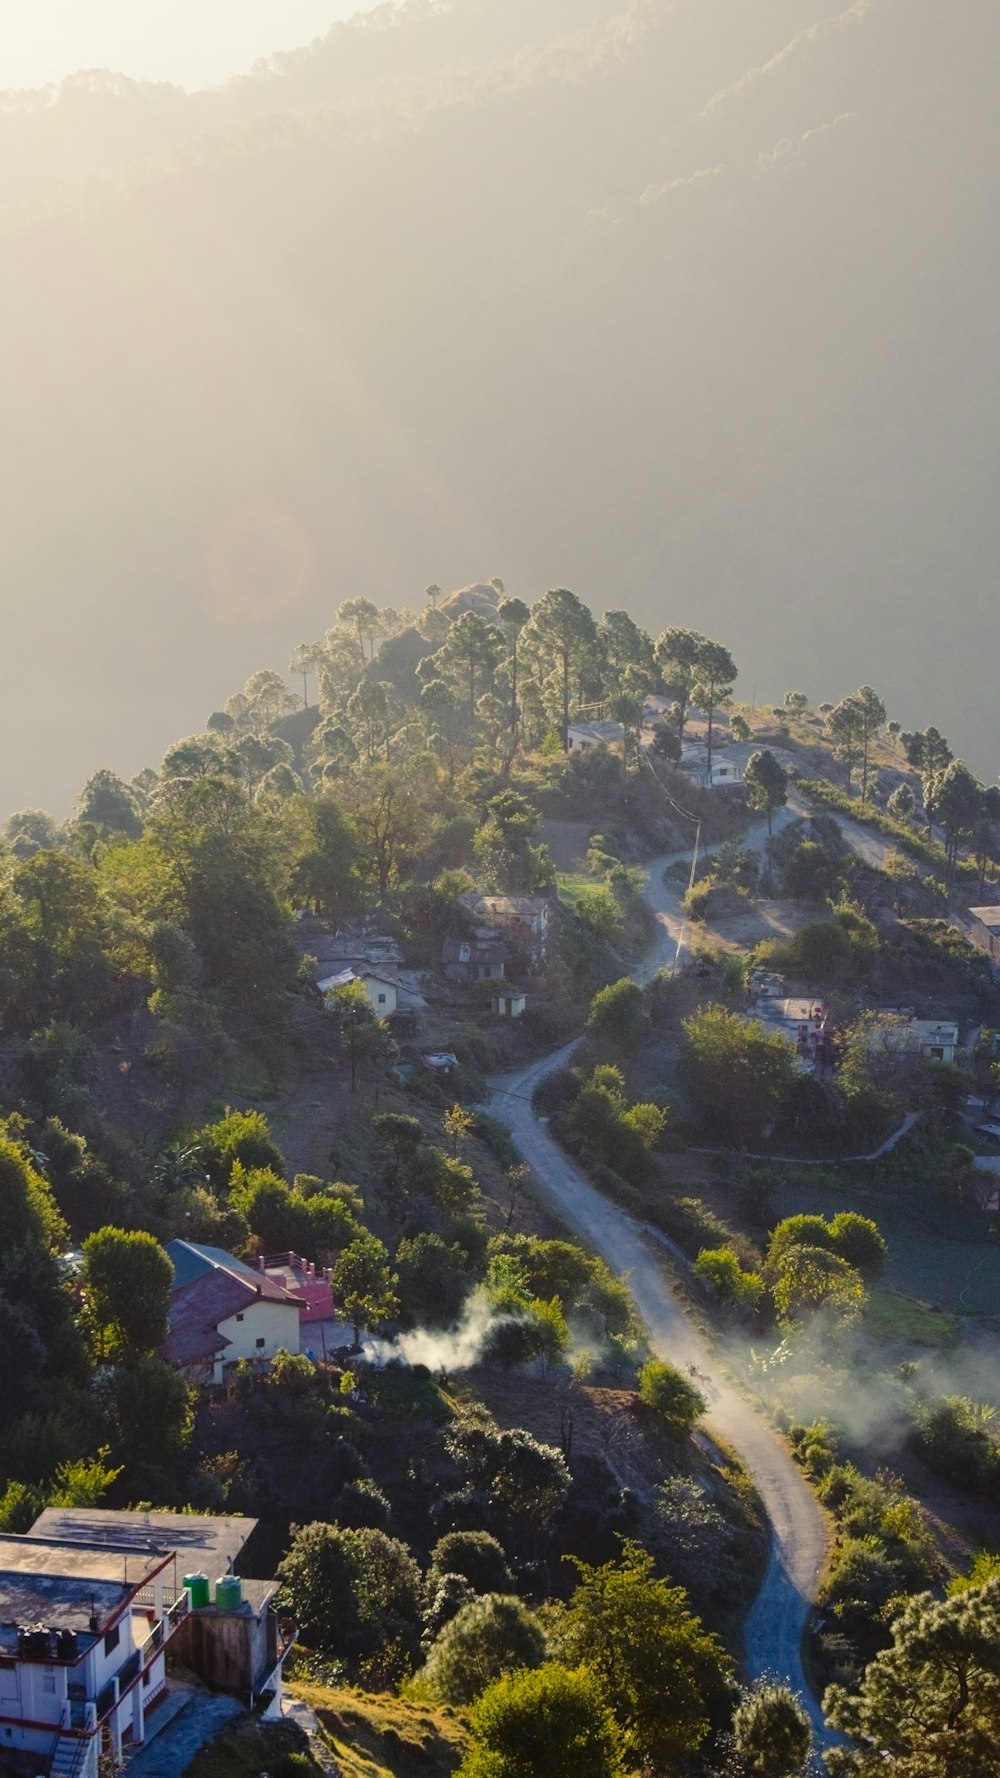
[[686, 304]]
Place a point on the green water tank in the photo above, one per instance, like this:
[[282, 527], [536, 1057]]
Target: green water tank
[[228, 1592], [197, 1586]]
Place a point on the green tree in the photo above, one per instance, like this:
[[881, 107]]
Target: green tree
[[855, 1238], [28, 1212], [107, 803], [871, 719], [505, 845], [363, 1284], [217, 864], [844, 726], [901, 803], [661, 1671], [677, 658], [350, 1588], [715, 671], [324, 873], [561, 632], [434, 1280], [627, 652], [957, 799], [243, 1136], [365, 619], [617, 1014], [670, 1394], [402, 1135], [362, 1035], [31, 830], [489, 1636], [368, 718], [128, 1279], [598, 910], [388, 807], [929, 1705], [814, 1278], [859, 1240], [476, 1556], [552, 1721], [513, 615], [471, 654], [720, 1271], [771, 1731], [527, 1480], [737, 1072], [308, 658], [149, 1416], [767, 783]]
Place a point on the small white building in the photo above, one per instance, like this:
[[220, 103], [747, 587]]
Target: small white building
[[90, 1601], [509, 1004], [221, 1311], [582, 736], [984, 930], [936, 1039], [726, 768], [523, 918], [382, 990]]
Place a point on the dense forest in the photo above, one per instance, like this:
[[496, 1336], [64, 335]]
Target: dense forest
[[509, 1508]]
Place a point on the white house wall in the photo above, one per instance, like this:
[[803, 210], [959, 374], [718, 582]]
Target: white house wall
[[259, 1331]]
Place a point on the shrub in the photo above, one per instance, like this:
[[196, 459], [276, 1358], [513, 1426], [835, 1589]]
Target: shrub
[[669, 1393], [475, 1555], [720, 1271], [487, 1637]]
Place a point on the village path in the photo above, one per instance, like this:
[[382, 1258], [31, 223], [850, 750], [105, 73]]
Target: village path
[[776, 1622]]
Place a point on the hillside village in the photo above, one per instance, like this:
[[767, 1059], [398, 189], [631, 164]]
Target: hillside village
[[284, 1293]]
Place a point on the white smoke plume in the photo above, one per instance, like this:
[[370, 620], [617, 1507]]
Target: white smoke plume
[[453, 1349]]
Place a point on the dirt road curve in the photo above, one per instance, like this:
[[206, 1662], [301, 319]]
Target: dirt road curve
[[775, 1624]]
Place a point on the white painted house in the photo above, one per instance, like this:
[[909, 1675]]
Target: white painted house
[[221, 1311], [936, 1039], [90, 1601], [581, 737], [382, 990]]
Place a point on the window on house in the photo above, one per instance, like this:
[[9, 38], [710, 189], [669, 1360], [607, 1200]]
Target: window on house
[[261, 1342], [381, 1000], [111, 1641], [239, 1318], [6, 1662], [937, 1052], [48, 1682], [145, 1677]]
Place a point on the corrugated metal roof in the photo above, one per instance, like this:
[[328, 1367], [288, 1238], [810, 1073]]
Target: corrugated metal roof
[[197, 1308]]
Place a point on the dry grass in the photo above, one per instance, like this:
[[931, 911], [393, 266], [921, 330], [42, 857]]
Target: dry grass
[[375, 1735]]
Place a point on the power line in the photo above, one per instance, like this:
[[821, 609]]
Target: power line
[[687, 813]]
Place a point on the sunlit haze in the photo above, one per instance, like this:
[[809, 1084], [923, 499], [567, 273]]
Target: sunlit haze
[[190, 44], [686, 305]]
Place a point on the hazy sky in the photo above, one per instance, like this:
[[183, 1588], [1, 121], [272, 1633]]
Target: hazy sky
[[190, 42]]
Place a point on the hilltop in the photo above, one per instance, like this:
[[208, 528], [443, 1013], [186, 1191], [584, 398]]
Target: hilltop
[[733, 968]]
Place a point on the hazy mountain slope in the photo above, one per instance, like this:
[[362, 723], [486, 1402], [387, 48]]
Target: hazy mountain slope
[[689, 309]]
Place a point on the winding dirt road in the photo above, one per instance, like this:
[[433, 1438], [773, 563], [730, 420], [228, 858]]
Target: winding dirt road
[[775, 1624]]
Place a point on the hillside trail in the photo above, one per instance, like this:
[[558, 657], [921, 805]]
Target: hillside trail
[[798, 1530]]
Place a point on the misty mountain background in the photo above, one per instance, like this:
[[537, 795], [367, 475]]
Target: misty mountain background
[[689, 305]]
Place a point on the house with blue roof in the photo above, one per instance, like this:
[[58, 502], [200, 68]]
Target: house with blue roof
[[222, 1310]]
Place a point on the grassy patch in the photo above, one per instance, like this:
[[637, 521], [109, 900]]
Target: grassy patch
[[907, 1322], [571, 884], [378, 1736], [252, 1747]]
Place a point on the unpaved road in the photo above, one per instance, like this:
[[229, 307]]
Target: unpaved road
[[775, 1624]]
